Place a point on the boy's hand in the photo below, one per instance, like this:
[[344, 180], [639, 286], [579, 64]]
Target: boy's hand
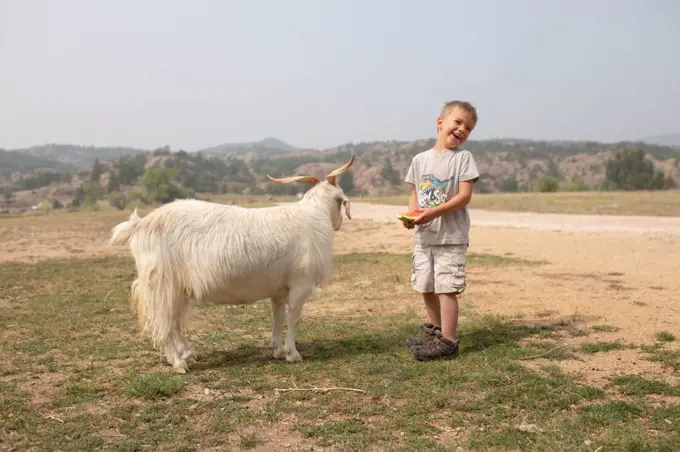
[[427, 216], [408, 224]]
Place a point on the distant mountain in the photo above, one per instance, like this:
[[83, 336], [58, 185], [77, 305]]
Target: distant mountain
[[70, 157], [505, 165], [16, 161], [80, 156], [268, 146], [671, 139]]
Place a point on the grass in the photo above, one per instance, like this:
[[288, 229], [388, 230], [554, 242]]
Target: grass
[[670, 358], [604, 328], [597, 347], [665, 336], [644, 203], [77, 376], [156, 385], [656, 203]]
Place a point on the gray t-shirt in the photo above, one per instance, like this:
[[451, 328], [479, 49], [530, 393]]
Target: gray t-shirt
[[436, 175]]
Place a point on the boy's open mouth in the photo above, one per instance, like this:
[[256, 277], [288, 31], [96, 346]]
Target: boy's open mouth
[[457, 135]]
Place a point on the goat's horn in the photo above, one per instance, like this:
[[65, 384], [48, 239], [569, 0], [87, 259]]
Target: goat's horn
[[287, 180], [335, 173]]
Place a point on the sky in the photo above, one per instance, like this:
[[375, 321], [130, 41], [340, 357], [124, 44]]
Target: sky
[[318, 74]]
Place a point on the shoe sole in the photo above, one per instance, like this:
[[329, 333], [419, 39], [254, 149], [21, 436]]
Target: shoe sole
[[434, 358]]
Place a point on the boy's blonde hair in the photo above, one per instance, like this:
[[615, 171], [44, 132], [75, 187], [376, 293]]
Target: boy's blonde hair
[[467, 106]]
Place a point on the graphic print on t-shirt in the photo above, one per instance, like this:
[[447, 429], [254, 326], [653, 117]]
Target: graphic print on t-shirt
[[431, 191]]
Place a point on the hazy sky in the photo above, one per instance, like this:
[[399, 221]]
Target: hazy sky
[[321, 73]]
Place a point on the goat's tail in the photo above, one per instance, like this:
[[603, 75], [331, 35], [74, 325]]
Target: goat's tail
[[123, 232], [158, 301]]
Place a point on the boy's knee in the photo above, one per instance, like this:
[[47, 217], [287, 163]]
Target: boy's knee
[[449, 269], [422, 269]]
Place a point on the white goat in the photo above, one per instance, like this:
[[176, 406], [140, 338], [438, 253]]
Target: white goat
[[190, 250]]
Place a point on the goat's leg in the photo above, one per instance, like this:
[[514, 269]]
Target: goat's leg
[[185, 350], [175, 344], [174, 357], [278, 314], [296, 299]]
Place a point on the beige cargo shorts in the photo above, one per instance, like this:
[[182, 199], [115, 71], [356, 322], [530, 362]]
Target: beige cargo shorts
[[438, 268]]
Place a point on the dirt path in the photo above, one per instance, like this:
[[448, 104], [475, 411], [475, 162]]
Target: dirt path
[[540, 221], [620, 271]]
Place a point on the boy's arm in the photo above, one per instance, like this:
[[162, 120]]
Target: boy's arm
[[412, 205], [413, 200]]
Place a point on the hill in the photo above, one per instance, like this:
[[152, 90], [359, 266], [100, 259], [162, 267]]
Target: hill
[[12, 162], [268, 146], [74, 155], [505, 166], [70, 157], [672, 140]]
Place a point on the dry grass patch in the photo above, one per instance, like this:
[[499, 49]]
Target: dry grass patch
[[83, 234], [655, 203]]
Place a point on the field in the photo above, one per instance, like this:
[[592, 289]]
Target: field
[[664, 203], [569, 341]]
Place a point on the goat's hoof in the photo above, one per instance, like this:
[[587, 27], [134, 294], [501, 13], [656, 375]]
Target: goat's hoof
[[180, 367], [293, 357], [190, 355], [279, 354]]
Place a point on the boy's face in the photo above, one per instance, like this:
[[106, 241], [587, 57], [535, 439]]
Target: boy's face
[[455, 128]]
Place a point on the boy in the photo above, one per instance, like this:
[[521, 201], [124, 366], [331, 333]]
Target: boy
[[442, 180]]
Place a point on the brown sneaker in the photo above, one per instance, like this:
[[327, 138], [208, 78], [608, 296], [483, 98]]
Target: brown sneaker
[[427, 333], [438, 348]]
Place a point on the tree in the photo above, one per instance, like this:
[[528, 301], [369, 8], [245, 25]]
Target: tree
[[135, 198], [629, 170], [116, 199], [97, 170], [94, 191], [509, 185], [346, 182], [114, 183], [669, 183], [577, 184], [389, 173], [130, 168], [8, 195], [161, 187], [78, 197], [546, 184], [87, 194]]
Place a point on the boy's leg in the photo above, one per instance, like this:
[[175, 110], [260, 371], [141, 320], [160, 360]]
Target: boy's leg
[[433, 308], [449, 315], [449, 277], [422, 280]]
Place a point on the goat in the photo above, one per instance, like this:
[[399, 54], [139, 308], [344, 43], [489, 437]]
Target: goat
[[191, 250]]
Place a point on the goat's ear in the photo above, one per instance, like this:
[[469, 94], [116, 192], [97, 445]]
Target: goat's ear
[[287, 180], [332, 176], [347, 204]]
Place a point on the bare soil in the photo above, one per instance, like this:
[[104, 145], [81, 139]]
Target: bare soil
[[621, 271]]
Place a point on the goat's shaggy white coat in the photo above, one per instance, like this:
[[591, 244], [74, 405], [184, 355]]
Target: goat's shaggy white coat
[[191, 250]]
